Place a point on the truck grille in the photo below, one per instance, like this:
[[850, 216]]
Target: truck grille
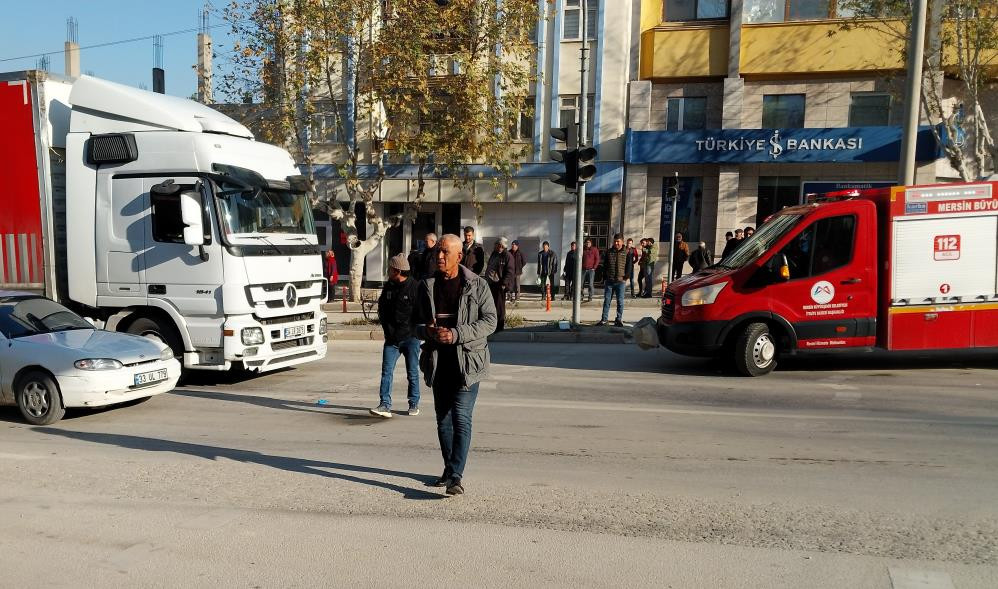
[[668, 305], [294, 343], [285, 318]]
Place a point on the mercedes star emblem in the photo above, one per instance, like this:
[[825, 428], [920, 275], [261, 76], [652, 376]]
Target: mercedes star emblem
[[290, 295]]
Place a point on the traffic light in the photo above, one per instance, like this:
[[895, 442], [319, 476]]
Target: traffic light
[[568, 156], [586, 164], [672, 188]]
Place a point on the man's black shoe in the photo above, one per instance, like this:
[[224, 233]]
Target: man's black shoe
[[454, 487], [443, 481], [601, 323], [618, 323]]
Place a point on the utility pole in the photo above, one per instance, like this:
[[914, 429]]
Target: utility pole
[[913, 87], [672, 193], [581, 196]]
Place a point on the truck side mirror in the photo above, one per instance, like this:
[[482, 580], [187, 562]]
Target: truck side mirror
[[784, 268], [190, 215]]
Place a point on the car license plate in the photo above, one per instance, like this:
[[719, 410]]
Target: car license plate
[[296, 331], [150, 377]]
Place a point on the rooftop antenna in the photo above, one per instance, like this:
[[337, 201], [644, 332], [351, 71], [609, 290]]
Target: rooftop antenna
[[72, 30], [72, 48], [158, 74], [204, 49], [43, 63]]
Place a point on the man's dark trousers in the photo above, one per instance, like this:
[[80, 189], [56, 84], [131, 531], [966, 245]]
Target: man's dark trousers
[[454, 404]]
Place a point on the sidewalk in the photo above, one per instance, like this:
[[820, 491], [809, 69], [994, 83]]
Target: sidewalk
[[539, 326]]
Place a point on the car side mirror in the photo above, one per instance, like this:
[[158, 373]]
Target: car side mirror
[[784, 272], [190, 215]]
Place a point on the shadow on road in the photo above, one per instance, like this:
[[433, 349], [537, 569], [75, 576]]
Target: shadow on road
[[356, 414], [299, 465]]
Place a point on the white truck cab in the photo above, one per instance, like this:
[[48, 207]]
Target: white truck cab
[[175, 224]]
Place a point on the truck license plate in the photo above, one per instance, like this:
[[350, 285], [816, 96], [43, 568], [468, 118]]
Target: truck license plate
[[150, 377], [297, 331]]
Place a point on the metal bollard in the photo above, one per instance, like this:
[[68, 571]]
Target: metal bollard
[[344, 299]]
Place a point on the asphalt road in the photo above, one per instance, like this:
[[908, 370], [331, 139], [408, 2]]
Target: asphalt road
[[592, 465]]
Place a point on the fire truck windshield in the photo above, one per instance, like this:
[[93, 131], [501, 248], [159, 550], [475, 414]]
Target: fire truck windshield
[[760, 242]]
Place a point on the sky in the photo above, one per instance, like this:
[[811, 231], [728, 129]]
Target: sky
[[39, 26]]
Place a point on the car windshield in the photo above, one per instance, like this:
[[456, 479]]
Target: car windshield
[[24, 316], [760, 242], [251, 204]]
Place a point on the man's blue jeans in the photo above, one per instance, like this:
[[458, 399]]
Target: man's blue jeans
[[610, 290], [389, 356], [588, 276], [454, 405]]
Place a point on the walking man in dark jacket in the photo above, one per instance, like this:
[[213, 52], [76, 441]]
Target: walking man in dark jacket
[[472, 253], [455, 315], [614, 272], [499, 275], [423, 263], [547, 269], [701, 258], [395, 308], [571, 258], [519, 263]]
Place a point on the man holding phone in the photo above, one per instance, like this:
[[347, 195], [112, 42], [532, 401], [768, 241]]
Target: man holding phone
[[454, 315]]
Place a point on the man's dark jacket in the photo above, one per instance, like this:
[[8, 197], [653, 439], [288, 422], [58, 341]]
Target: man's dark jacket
[[615, 264], [395, 307], [474, 256], [519, 261]]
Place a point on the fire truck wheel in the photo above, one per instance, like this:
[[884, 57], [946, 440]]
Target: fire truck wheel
[[755, 350]]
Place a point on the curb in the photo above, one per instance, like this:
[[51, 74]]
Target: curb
[[535, 337]]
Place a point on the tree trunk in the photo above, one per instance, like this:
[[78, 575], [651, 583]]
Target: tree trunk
[[357, 257]]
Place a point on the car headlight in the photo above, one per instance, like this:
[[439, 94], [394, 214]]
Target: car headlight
[[705, 295], [97, 364], [322, 325], [166, 354], [252, 336]]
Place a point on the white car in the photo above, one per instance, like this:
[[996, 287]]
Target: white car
[[51, 358]]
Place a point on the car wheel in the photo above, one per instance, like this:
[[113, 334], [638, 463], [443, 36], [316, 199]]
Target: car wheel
[[755, 350], [157, 331], [38, 398]]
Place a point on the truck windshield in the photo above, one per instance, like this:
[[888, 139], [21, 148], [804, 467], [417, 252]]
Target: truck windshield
[[251, 204], [24, 316], [760, 242]]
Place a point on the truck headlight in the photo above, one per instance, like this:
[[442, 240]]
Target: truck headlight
[[97, 364], [322, 325], [705, 295], [252, 336]]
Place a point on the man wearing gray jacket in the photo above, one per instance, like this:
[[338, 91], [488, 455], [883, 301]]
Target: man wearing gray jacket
[[454, 315]]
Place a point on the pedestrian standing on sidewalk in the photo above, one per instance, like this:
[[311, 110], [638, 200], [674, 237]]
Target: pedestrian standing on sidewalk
[[547, 269], [701, 258], [632, 256], [590, 262], [614, 271], [395, 313], [473, 254], [680, 253], [423, 262], [499, 275], [332, 274], [571, 258], [650, 268], [455, 315], [749, 231], [519, 263], [733, 243], [642, 265]]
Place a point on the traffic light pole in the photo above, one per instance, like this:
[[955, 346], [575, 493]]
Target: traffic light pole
[[580, 215], [674, 199]]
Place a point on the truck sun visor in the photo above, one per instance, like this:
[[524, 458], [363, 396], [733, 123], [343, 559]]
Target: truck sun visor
[[112, 148]]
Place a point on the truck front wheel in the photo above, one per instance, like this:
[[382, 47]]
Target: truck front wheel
[[755, 350], [159, 331]]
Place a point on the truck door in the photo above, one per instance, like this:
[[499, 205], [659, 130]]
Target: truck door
[[187, 277], [830, 297]]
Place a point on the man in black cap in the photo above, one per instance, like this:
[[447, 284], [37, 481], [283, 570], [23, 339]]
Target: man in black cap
[[395, 307]]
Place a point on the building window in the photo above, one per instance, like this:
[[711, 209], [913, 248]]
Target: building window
[[870, 110], [329, 122], [762, 11], [523, 128], [688, 210], [686, 113], [775, 193], [684, 10], [782, 111], [569, 112], [572, 25]]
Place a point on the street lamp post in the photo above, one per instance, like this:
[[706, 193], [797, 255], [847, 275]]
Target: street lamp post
[[913, 87]]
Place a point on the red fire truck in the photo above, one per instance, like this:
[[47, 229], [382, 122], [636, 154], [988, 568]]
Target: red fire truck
[[902, 268]]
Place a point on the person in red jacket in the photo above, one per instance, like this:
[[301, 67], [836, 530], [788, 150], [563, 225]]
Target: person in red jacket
[[590, 261], [332, 273]]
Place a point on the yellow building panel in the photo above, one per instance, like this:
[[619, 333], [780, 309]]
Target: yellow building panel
[[651, 14], [815, 47], [688, 52]]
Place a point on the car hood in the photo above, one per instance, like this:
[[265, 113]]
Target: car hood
[[96, 343]]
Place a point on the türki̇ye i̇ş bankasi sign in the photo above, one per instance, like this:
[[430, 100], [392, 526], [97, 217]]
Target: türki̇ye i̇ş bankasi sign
[[841, 144]]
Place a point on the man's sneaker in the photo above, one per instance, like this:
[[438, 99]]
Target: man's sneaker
[[454, 487], [602, 323], [443, 481], [618, 323], [413, 410], [382, 411]]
